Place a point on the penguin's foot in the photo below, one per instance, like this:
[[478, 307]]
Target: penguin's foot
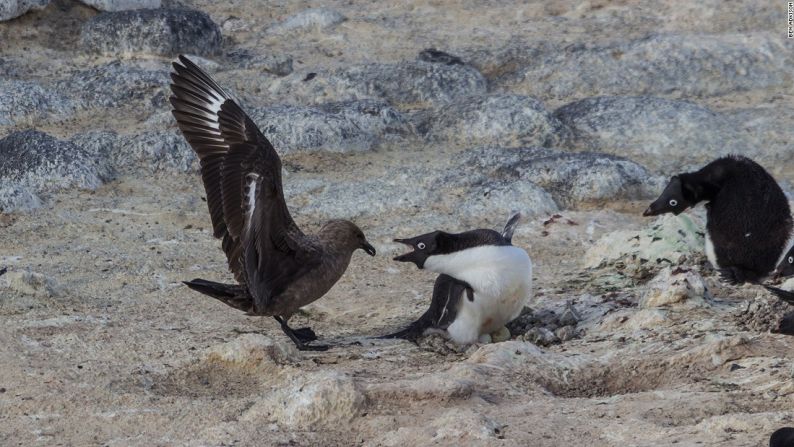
[[732, 275]]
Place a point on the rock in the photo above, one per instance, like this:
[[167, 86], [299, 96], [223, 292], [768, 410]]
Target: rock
[[147, 152], [569, 316], [404, 84], [453, 427], [355, 199], [506, 120], [166, 31], [674, 64], [565, 333], [33, 163], [10, 9], [277, 64], [669, 241], [486, 197], [122, 5], [313, 401], [768, 135], [503, 334], [540, 336], [26, 102], [309, 19], [117, 85], [352, 126], [31, 283], [663, 133], [438, 57], [677, 288], [253, 352], [571, 179], [763, 314]]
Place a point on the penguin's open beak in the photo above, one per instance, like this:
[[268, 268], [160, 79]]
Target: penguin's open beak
[[367, 247], [403, 257]]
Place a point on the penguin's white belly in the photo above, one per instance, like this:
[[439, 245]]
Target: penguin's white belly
[[501, 277], [710, 254]]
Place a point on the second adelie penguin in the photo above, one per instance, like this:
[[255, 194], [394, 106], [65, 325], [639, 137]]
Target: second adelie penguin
[[749, 222]]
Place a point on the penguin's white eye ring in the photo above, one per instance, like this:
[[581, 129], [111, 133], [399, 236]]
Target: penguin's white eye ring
[[673, 202], [421, 245], [791, 259]]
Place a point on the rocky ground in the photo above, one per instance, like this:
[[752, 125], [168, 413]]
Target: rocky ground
[[405, 117]]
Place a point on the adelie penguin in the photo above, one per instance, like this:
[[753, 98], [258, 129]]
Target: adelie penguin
[[278, 268], [485, 281], [783, 437], [749, 224]]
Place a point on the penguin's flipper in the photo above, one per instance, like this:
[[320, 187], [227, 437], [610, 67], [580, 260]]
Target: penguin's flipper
[[447, 293], [510, 226], [784, 295]]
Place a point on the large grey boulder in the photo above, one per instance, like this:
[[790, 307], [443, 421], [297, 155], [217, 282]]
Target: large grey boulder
[[122, 5], [351, 126], [160, 151], [408, 83], [571, 179], [768, 132], [10, 9], [26, 102], [33, 163], [116, 85], [504, 120], [660, 132], [678, 65], [166, 31]]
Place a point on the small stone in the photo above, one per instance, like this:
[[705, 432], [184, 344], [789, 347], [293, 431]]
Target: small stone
[[540, 336], [503, 334], [675, 288], [565, 333]]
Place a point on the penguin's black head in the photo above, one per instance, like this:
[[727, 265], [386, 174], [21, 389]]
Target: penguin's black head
[[675, 198], [786, 266], [423, 247]]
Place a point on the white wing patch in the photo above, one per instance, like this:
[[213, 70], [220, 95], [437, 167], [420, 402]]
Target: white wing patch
[[214, 106], [250, 197]]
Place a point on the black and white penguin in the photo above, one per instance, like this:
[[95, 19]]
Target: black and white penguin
[[485, 281], [749, 224], [782, 437]]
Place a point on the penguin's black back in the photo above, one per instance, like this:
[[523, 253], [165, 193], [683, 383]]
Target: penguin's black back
[[749, 220]]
